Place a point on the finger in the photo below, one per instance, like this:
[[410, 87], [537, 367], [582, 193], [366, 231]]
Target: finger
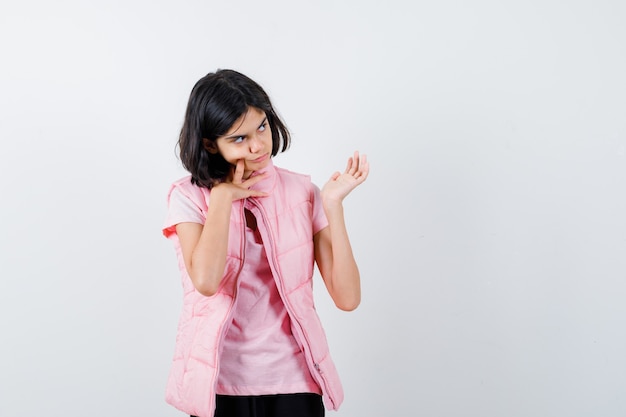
[[363, 165], [254, 179], [348, 165], [352, 165], [355, 163], [364, 169], [364, 173], [255, 193], [335, 176], [238, 177]]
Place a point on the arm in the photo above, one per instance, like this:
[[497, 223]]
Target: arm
[[204, 247], [333, 252]]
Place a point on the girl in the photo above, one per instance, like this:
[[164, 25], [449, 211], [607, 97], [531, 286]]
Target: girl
[[246, 235]]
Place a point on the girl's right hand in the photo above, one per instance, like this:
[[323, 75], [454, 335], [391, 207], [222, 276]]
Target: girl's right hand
[[237, 187]]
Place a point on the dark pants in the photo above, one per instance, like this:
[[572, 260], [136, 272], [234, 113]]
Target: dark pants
[[280, 405]]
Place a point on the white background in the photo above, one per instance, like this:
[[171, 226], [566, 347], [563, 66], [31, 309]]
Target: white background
[[491, 234]]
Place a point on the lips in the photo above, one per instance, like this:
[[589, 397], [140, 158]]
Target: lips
[[261, 158]]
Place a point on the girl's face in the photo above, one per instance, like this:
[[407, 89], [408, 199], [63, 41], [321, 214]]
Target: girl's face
[[248, 139]]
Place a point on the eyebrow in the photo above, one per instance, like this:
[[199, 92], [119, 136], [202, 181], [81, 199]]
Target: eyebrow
[[243, 136]]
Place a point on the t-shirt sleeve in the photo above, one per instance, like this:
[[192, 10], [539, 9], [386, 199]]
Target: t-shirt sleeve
[[181, 209], [319, 216]]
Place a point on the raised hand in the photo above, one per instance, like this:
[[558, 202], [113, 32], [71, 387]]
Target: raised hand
[[341, 184]]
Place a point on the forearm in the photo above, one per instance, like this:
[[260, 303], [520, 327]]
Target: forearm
[[208, 258], [345, 281]]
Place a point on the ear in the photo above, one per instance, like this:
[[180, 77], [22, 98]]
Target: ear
[[210, 145]]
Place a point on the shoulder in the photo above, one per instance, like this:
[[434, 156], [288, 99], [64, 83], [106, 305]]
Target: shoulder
[[299, 185], [186, 188], [183, 183]]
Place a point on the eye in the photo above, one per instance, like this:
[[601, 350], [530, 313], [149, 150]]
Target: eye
[[263, 127], [238, 139]]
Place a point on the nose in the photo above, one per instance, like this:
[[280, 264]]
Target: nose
[[255, 144]]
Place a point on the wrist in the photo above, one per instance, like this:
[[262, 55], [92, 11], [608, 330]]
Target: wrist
[[332, 203], [222, 192]]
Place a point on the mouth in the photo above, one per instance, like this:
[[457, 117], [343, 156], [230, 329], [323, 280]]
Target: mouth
[[261, 158]]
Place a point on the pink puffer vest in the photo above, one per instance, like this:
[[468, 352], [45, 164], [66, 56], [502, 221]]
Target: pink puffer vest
[[285, 224]]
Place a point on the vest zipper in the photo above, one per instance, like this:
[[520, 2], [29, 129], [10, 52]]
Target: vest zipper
[[229, 318], [318, 375]]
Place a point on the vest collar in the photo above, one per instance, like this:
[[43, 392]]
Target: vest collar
[[266, 184]]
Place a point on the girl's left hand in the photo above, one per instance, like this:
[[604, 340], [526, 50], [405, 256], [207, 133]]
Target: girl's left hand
[[340, 185]]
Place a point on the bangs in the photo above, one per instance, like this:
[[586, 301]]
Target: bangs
[[221, 112]]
